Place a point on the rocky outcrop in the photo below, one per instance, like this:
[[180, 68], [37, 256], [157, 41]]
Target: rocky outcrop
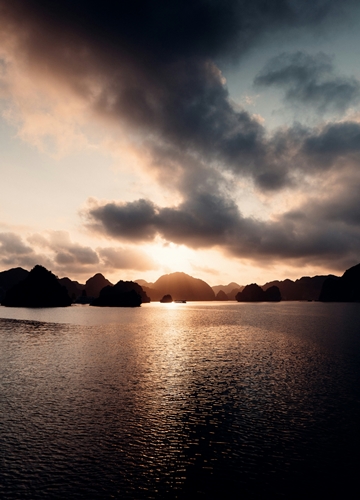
[[94, 285], [152, 293], [254, 293], [227, 288], [166, 299], [181, 286], [221, 295], [272, 294], [123, 294], [10, 278], [344, 289], [74, 288], [251, 293], [40, 288], [233, 293], [305, 288]]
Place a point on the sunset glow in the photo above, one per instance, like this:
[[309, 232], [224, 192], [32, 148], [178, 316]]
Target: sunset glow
[[232, 160]]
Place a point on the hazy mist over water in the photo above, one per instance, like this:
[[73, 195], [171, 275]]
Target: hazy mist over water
[[218, 400]]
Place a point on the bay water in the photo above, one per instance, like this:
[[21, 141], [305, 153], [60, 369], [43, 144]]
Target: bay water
[[196, 400]]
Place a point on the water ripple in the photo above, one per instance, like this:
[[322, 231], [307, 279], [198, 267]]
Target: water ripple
[[210, 401]]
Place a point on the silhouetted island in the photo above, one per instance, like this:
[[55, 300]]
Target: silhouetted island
[[227, 288], [74, 288], [344, 289], [95, 284], [40, 288], [254, 293], [181, 286], [123, 294], [166, 299], [232, 295], [221, 295], [305, 288], [10, 278]]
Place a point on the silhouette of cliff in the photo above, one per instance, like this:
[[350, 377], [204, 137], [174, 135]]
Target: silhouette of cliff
[[305, 288], [221, 295], [227, 288], [272, 294], [344, 289], [166, 299], [181, 286], [74, 288], [234, 292], [40, 288], [143, 283], [123, 294], [251, 293], [254, 293], [152, 293], [94, 285], [10, 278]]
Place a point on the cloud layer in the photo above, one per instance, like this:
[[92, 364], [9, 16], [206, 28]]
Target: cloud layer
[[57, 252], [320, 231], [310, 80], [153, 69]]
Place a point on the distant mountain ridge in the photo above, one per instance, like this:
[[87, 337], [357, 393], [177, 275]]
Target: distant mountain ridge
[[254, 293], [305, 288], [152, 293], [182, 286], [221, 295], [74, 288], [226, 288]]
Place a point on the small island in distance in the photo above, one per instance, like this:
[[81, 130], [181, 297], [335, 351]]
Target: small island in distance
[[41, 288]]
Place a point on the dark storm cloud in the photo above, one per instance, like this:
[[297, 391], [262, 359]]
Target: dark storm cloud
[[153, 67], [297, 150], [200, 221], [310, 80], [165, 30], [318, 231], [334, 140], [150, 65]]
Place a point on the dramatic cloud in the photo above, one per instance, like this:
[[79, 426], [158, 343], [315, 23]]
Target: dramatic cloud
[[334, 141], [57, 252], [12, 244], [198, 222], [15, 253], [319, 231], [152, 70], [310, 80], [151, 67]]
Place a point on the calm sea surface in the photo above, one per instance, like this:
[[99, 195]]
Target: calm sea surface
[[217, 400]]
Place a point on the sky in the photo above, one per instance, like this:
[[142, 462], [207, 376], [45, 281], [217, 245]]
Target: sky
[[217, 138]]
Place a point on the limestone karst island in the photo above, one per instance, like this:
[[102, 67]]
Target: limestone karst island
[[41, 288]]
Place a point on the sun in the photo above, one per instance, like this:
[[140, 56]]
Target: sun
[[172, 257]]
